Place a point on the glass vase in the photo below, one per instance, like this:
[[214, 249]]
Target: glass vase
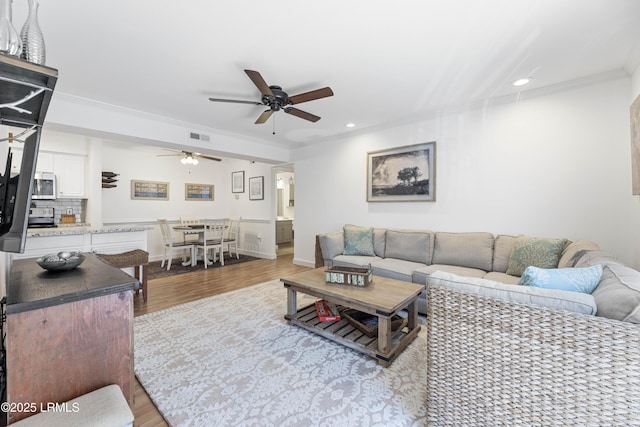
[[33, 49], [9, 38]]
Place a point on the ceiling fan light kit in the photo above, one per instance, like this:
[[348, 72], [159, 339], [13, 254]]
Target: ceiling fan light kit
[[277, 99], [191, 158]]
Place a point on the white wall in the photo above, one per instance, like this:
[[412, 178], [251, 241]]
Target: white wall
[[137, 163], [134, 162], [548, 165]]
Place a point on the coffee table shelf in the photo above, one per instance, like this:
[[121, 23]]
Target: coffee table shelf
[[344, 332], [384, 298]]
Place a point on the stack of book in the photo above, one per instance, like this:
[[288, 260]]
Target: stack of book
[[327, 312]]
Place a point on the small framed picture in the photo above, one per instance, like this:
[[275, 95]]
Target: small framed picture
[[237, 182], [198, 192], [149, 190], [256, 188]]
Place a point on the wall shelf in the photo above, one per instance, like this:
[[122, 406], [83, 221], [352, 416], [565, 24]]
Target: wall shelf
[[25, 91]]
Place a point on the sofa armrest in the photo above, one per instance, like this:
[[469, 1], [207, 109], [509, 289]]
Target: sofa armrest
[[495, 362], [331, 244]]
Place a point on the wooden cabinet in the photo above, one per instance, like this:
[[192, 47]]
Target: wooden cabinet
[[68, 333], [70, 170], [284, 231]]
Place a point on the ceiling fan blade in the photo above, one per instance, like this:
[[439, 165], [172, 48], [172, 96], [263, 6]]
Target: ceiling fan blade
[[302, 114], [216, 159], [264, 117], [257, 80], [237, 101], [310, 96]]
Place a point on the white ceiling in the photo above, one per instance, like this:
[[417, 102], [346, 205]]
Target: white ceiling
[[387, 62]]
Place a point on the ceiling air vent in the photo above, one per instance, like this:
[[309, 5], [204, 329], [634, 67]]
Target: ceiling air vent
[[198, 136]]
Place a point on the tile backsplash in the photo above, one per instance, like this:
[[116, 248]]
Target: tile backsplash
[[76, 207]]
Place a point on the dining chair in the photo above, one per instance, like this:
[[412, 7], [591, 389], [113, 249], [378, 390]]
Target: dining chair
[[190, 237], [232, 235], [170, 246], [213, 241]]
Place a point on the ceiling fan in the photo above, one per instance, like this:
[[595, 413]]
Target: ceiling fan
[[191, 158], [277, 99]]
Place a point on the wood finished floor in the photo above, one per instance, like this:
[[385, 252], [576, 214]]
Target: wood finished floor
[[170, 291]]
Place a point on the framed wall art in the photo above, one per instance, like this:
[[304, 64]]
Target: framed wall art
[[635, 147], [237, 182], [149, 190], [198, 191], [256, 188], [402, 174]]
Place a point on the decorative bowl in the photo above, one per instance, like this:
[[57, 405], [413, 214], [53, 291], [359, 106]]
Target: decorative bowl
[[61, 261]]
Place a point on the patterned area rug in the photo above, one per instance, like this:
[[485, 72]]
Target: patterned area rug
[[232, 360], [155, 271]]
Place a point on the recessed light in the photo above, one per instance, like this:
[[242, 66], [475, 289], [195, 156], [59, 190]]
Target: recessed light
[[350, 125], [523, 81]]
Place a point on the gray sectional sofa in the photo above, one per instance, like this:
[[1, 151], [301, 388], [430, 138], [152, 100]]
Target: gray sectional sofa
[[504, 354], [414, 255]]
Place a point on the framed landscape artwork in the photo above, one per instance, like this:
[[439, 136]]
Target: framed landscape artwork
[[256, 188], [237, 182], [402, 174]]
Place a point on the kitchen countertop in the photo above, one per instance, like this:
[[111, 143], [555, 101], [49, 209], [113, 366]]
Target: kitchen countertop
[[84, 229], [30, 287]]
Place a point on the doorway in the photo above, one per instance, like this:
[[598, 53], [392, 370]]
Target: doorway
[[285, 209]]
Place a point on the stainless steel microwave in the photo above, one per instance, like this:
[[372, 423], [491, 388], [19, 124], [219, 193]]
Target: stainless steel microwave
[[44, 186]]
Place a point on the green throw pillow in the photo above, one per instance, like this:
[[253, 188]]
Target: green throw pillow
[[358, 240], [538, 252]]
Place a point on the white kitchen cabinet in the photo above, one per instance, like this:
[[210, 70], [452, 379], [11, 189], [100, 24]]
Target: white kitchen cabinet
[[45, 162], [70, 170]]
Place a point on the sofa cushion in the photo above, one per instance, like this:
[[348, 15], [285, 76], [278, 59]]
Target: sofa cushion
[[421, 275], [394, 268], [582, 280], [539, 252], [502, 248], [574, 251], [354, 260], [331, 244], [589, 258], [358, 240], [618, 293], [496, 276], [473, 250], [379, 241], [409, 245], [550, 298]]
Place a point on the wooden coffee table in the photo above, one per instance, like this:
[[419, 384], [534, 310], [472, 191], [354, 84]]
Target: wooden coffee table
[[383, 298]]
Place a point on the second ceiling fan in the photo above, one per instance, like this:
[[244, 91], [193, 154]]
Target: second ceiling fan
[[277, 99]]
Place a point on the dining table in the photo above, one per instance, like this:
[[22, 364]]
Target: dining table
[[198, 229]]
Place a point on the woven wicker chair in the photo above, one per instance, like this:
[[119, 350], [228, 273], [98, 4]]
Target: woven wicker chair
[[138, 259], [496, 363]]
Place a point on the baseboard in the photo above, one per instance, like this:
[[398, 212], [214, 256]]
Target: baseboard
[[153, 258], [304, 263]]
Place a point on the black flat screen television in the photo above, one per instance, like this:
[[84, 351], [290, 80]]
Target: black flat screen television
[[16, 186]]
